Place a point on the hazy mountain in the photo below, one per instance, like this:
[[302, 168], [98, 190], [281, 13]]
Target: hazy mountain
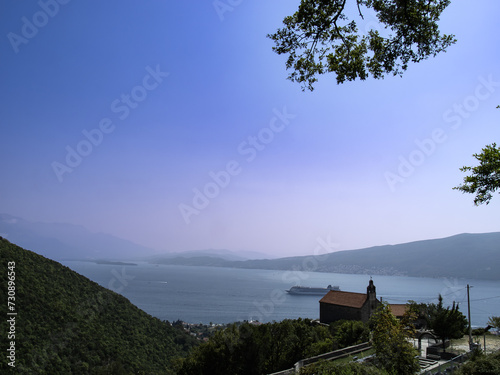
[[62, 241], [474, 256], [67, 241], [222, 254], [463, 255]]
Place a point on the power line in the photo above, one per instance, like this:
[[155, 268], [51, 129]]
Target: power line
[[484, 299], [462, 298]]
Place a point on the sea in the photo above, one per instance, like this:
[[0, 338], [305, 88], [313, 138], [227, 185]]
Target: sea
[[223, 295]]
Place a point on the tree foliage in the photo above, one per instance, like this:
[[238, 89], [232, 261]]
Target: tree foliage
[[247, 348], [320, 38], [350, 332], [482, 365], [446, 322], [390, 339], [332, 368], [484, 179], [494, 321]]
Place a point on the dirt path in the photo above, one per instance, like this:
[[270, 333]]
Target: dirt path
[[492, 343]]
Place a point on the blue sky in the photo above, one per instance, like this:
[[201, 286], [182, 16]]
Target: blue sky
[[165, 101]]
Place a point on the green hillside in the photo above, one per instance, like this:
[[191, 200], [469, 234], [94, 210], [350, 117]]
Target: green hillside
[[67, 324]]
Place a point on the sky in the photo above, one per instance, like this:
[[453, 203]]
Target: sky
[[172, 124]]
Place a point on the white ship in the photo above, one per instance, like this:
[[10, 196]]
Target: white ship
[[310, 291]]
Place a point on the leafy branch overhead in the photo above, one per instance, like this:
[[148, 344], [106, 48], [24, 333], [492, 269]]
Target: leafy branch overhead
[[484, 179], [319, 38]]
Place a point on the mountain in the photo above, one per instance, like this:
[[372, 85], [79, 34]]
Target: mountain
[[475, 256], [212, 253], [67, 241], [62, 241], [67, 324]]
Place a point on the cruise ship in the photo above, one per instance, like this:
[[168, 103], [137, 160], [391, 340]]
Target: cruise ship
[[310, 291]]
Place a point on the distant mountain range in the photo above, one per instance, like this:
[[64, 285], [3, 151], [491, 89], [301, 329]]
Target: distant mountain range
[[472, 256], [463, 256], [67, 241], [62, 241], [212, 253]]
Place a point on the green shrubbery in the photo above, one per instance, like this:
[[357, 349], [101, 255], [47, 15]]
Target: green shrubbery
[[248, 348], [482, 365], [331, 368]]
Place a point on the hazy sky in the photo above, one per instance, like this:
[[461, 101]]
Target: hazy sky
[[120, 115]]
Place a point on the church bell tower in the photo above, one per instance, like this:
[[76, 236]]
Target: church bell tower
[[372, 295]]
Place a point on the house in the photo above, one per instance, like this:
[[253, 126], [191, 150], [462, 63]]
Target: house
[[338, 305]]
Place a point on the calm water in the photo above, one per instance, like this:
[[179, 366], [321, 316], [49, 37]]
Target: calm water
[[224, 295]]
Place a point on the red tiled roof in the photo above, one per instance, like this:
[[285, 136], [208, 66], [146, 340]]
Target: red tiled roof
[[398, 309], [335, 297]]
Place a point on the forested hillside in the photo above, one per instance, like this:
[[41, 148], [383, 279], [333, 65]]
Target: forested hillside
[[67, 324]]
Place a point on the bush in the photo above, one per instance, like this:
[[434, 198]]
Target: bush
[[482, 365]]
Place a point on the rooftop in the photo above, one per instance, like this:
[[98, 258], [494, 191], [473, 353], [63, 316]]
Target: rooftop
[[398, 309], [349, 299]]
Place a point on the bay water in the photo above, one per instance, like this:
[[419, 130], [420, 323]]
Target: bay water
[[224, 295]]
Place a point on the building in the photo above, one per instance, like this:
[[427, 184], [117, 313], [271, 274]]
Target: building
[[338, 305]]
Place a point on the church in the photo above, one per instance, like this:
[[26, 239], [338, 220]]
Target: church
[[338, 305]]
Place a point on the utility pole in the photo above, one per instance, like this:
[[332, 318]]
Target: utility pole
[[470, 326], [484, 336]]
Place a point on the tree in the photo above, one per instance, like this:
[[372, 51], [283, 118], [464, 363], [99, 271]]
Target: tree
[[494, 321], [249, 349], [350, 332], [419, 313], [390, 339], [319, 38], [485, 178], [447, 323]]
